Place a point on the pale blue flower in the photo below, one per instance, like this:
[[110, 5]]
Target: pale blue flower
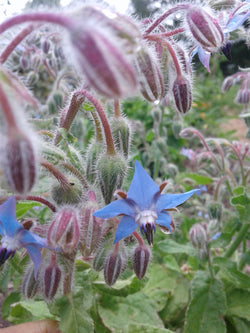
[[14, 236], [145, 207]]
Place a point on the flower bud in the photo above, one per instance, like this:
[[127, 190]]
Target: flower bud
[[64, 230], [243, 96], [150, 78], [103, 63], [25, 61], [227, 84], [90, 225], [71, 194], [198, 235], [32, 78], [51, 279], [46, 46], [36, 62], [30, 285], [114, 266], [204, 28], [121, 132], [215, 210], [141, 256], [111, 170], [182, 92], [19, 162], [93, 152]]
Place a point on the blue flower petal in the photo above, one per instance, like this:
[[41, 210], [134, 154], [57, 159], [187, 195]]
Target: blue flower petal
[[9, 224], [121, 206], [236, 22], [204, 57], [35, 256], [164, 219], [125, 228], [28, 238], [142, 188], [166, 201]]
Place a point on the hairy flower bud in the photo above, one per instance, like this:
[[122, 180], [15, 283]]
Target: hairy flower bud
[[114, 266], [243, 96], [90, 225], [51, 279], [204, 28], [105, 66], [182, 92], [227, 84], [141, 256], [198, 235], [215, 210], [110, 173], [30, 285], [71, 194], [150, 78], [93, 152], [46, 46], [19, 162], [64, 230], [121, 132]]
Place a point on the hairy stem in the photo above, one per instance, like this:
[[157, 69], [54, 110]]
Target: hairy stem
[[238, 239]]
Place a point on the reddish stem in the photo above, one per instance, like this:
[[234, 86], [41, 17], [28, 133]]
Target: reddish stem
[[138, 237], [117, 108], [38, 199], [165, 34], [7, 110], [55, 172]]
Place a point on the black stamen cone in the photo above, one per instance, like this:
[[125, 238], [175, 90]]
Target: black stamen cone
[[4, 255], [149, 233]]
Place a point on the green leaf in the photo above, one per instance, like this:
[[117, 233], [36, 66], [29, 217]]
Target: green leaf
[[10, 299], [134, 328], [242, 200], [118, 313], [242, 326], [150, 136], [207, 306], [239, 190], [170, 246], [170, 262], [238, 303], [200, 180], [38, 309], [23, 206]]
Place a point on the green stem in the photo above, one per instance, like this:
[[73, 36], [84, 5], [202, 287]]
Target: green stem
[[238, 239]]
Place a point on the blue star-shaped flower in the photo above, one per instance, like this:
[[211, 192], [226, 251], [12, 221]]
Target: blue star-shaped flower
[[144, 206], [14, 236]]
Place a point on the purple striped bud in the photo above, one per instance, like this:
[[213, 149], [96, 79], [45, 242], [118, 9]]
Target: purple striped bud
[[46, 46], [101, 59], [227, 84], [204, 28], [51, 279], [19, 162], [243, 96], [198, 235], [90, 225], [182, 92], [150, 78], [141, 256], [64, 231], [30, 285], [114, 266]]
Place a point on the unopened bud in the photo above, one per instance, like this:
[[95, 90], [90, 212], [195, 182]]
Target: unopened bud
[[182, 92], [71, 194], [90, 225], [198, 235], [30, 284], [64, 230], [114, 266], [227, 84], [36, 62], [93, 152], [103, 63], [150, 78], [32, 78], [46, 46], [121, 132], [111, 170], [215, 210], [204, 28], [51, 280], [243, 96], [25, 61], [19, 162], [141, 256]]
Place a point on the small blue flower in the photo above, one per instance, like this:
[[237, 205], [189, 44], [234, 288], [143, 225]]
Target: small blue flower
[[144, 206], [14, 236]]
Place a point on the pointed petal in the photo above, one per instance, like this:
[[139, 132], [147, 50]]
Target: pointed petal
[[166, 201], [204, 57], [164, 219], [29, 238], [238, 19], [122, 206], [9, 224], [125, 228], [193, 53], [142, 188], [35, 256]]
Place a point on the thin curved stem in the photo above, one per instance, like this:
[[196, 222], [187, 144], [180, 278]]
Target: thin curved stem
[[7, 110], [138, 237], [38, 199], [238, 239]]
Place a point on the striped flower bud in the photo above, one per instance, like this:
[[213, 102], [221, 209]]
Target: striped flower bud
[[90, 225], [110, 173], [243, 96], [121, 132], [204, 28], [93, 152], [141, 256], [198, 235], [71, 194], [46, 46], [114, 265], [150, 78], [30, 285], [227, 84], [182, 92], [51, 279], [19, 162], [215, 210], [102, 61], [64, 230]]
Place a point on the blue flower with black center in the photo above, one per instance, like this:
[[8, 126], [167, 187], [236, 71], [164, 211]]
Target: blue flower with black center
[[144, 207], [14, 236]]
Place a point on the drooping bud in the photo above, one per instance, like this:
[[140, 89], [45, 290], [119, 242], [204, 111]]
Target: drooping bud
[[114, 265], [141, 256], [51, 279], [25, 61], [71, 194], [19, 162], [90, 225], [32, 78], [150, 77], [111, 170], [182, 92], [64, 230], [30, 285], [227, 84], [243, 96], [46, 46], [204, 28], [215, 210], [102, 61], [198, 235], [121, 133], [93, 152]]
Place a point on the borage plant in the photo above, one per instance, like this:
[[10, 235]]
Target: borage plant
[[56, 73]]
